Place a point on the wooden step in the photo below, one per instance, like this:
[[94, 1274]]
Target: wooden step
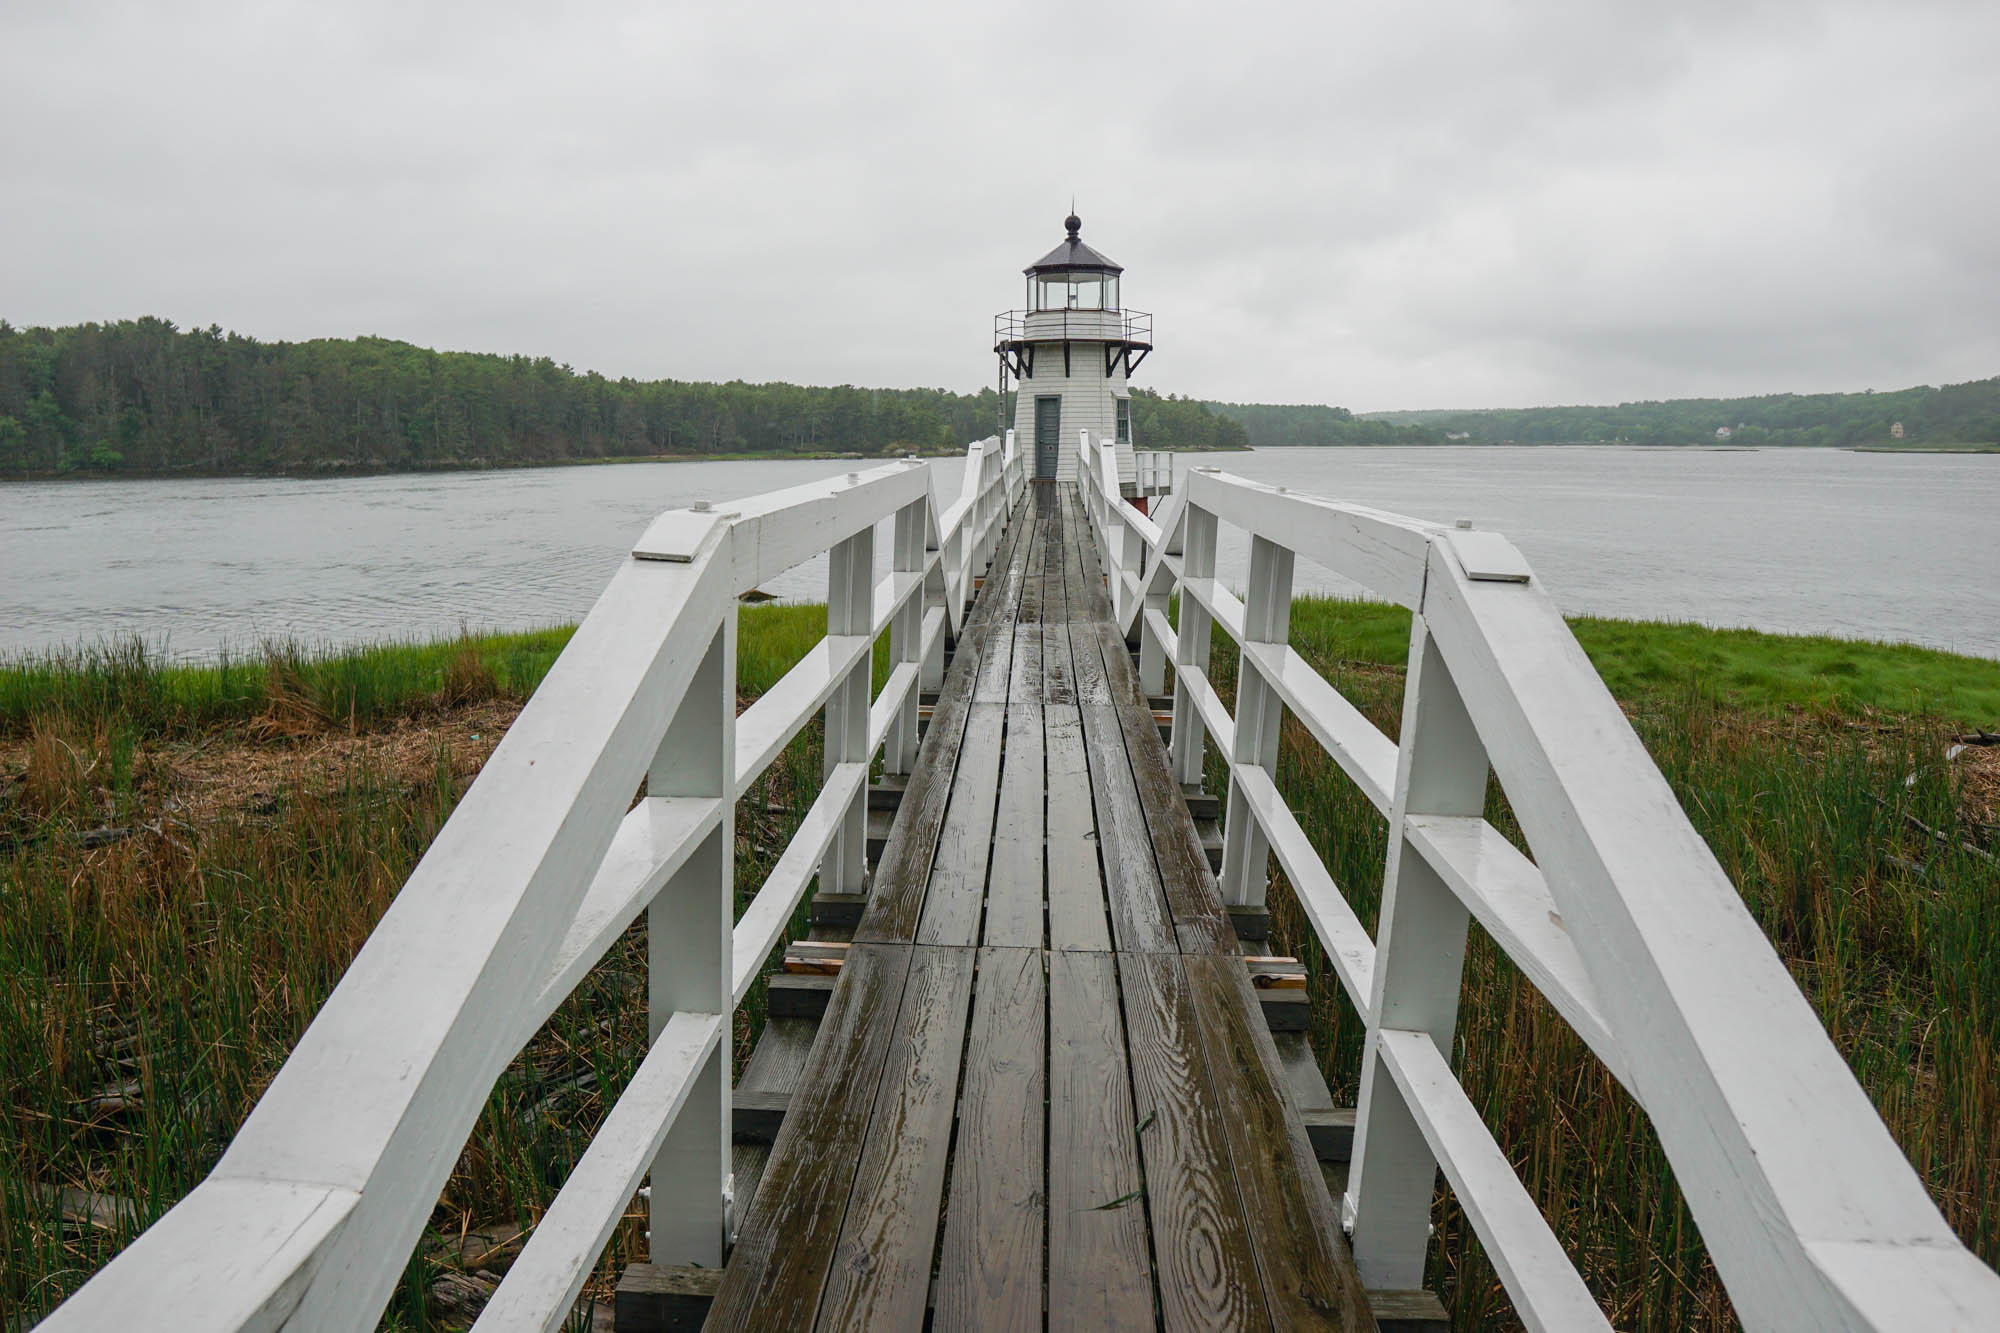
[[791, 996], [886, 791], [838, 910], [663, 1298]]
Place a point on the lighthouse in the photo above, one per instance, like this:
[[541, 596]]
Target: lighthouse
[[1072, 352]]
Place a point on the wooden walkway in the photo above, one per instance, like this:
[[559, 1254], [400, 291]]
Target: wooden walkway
[[1043, 1091]]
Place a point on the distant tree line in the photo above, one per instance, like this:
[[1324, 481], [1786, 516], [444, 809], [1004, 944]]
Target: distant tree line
[[1954, 414], [144, 396], [1275, 425], [141, 395], [1173, 422]]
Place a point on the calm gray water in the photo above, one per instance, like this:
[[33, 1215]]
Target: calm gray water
[[1868, 545]]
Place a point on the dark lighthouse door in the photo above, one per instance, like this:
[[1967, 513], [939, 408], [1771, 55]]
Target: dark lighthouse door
[[1048, 434]]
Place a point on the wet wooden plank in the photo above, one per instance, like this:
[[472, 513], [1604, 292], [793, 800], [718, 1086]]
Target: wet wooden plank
[[1189, 885], [776, 1066], [902, 877], [1034, 570], [1208, 1273], [1002, 610], [896, 893], [1309, 1276], [880, 1272], [1014, 890], [786, 1243], [1077, 915], [1058, 679], [957, 891], [990, 1262], [1084, 595], [1140, 921], [1100, 1270]]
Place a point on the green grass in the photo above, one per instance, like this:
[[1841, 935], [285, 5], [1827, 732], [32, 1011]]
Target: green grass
[[188, 958], [125, 685], [1807, 765], [1741, 667], [150, 989]]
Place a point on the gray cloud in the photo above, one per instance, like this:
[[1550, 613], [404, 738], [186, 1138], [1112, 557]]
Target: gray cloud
[[1412, 205]]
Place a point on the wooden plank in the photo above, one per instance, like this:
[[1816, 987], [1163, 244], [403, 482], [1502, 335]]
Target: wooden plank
[[957, 890], [788, 995], [1100, 1273], [1058, 678], [1086, 606], [1309, 1277], [1185, 878], [1001, 606], [1077, 913], [990, 1262], [1014, 892], [1139, 914], [896, 897], [881, 1266], [786, 1242], [668, 1298], [756, 1117], [1139, 917], [1208, 1273], [902, 877]]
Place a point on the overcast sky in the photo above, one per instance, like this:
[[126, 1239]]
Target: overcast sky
[[1407, 205]]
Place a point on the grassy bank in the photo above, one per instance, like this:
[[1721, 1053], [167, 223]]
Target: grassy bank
[[190, 857], [1817, 770]]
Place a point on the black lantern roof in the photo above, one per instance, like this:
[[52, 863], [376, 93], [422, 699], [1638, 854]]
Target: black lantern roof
[[1072, 256]]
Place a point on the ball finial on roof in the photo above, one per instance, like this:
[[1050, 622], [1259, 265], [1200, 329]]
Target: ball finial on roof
[[1074, 224]]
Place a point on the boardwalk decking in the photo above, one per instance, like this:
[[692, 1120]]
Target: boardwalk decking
[[1042, 1092]]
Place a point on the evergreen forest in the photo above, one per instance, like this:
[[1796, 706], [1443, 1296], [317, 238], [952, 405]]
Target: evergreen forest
[[142, 396], [145, 397]]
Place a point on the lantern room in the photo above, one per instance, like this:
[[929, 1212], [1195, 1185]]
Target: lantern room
[[1071, 353]]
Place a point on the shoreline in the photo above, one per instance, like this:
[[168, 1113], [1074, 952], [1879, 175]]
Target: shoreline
[[398, 675]]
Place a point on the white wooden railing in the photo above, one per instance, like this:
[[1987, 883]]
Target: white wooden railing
[[1623, 918], [311, 1215]]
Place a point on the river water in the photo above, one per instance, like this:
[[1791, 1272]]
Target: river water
[[1881, 546]]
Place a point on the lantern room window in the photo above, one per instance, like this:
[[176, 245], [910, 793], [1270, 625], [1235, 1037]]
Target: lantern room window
[[1073, 291]]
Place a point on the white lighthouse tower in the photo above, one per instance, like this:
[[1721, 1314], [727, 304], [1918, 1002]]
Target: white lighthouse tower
[[1072, 352]]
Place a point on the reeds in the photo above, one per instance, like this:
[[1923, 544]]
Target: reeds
[[1856, 844], [158, 964]]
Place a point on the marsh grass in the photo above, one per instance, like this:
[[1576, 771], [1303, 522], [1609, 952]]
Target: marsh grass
[[151, 987], [1810, 794]]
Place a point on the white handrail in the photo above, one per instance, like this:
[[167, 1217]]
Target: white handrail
[[1622, 918], [310, 1217]]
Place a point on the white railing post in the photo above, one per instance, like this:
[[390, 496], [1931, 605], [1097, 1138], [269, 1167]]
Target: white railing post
[[1441, 769], [689, 949], [906, 633], [1152, 653], [986, 512], [1191, 650], [850, 609], [937, 592], [1267, 618]]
